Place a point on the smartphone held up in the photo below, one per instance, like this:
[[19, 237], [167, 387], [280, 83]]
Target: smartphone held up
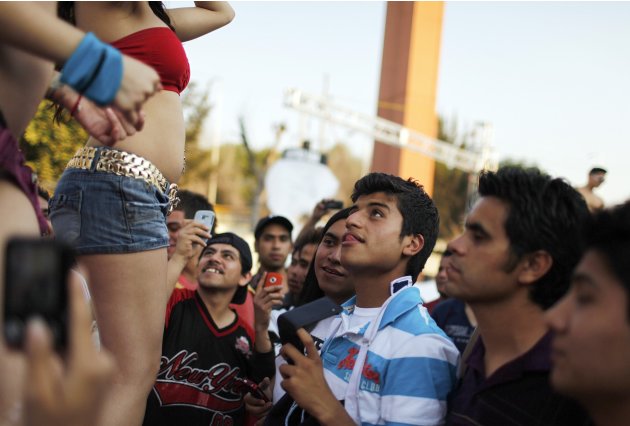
[[272, 279], [206, 217], [333, 204], [36, 274]]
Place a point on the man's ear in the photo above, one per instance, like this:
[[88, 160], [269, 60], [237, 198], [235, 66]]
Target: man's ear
[[245, 278], [256, 246], [412, 244], [534, 266]]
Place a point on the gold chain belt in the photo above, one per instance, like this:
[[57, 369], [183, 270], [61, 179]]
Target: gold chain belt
[[126, 164]]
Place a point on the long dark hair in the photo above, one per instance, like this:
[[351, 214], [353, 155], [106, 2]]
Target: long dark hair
[[65, 11], [310, 288]]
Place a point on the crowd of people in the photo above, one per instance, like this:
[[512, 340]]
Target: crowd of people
[[168, 324]]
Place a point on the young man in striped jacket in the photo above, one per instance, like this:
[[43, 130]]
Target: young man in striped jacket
[[385, 361]]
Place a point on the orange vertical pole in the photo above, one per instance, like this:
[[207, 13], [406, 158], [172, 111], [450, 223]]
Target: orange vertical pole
[[408, 87]]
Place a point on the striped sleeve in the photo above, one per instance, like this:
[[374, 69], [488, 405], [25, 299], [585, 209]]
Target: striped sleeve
[[417, 381]]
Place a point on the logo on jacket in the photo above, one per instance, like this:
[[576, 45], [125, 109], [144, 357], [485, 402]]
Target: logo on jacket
[[371, 378], [242, 345], [217, 389]]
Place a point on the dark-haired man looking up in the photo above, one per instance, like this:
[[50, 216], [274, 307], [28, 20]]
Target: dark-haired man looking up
[[385, 361], [208, 350]]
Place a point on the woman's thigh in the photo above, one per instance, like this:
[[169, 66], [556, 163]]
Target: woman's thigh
[[128, 293]]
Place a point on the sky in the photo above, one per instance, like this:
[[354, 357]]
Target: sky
[[550, 77]]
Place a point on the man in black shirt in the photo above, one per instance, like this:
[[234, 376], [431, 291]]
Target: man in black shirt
[[512, 262]]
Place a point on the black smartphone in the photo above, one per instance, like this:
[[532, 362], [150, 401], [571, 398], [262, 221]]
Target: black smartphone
[[333, 204], [303, 317], [254, 389], [36, 274]]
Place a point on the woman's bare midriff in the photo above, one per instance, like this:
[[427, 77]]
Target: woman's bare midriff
[[161, 141]]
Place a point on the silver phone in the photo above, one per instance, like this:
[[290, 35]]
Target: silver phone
[[206, 217]]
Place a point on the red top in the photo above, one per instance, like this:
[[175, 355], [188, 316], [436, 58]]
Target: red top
[[159, 48]]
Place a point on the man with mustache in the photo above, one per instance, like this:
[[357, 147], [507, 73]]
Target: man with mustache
[[208, 351]]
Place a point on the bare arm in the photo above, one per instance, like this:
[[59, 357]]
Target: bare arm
[[66, 390], [28, 26], [205, 17], [318, 212], [190, 241], [264, 300], [104, 123]]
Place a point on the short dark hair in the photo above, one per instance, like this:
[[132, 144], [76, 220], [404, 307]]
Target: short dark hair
[[309, 236], [595, 170], [544, 213], [420, 216], [190, 202], [608, 233], [238, 243], [270, 220]]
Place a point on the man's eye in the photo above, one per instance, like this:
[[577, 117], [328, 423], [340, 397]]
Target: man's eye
[[584, 298]]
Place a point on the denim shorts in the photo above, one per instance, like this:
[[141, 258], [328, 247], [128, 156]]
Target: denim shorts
[[101, 213]]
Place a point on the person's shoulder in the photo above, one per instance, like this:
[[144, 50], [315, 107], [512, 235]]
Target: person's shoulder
[[446, 305], [415, 332], [415, 322]]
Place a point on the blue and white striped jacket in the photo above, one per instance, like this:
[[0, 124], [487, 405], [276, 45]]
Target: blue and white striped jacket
[[409, 367]]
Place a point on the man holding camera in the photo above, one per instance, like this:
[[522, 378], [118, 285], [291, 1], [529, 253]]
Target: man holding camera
[[209, 355], [186, 239]]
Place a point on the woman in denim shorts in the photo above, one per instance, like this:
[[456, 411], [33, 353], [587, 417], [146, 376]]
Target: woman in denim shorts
[[33, 39], [111, 203]]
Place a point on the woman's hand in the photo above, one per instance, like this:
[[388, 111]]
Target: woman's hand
[[139, 83]]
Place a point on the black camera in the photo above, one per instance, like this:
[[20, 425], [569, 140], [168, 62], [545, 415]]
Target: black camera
[[333, 204], [303, 317], [35, 285]]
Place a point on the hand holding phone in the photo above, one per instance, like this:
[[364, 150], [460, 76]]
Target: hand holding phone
[[206, 217], [86, 375], [253, 389], [303, 317], [36, 271], [272, 279], [333, 204]]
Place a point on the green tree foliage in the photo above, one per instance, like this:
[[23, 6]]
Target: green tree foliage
[[197, 107], [257, 164], [515, 162], [49, 146], [346, 167], [451, 185]]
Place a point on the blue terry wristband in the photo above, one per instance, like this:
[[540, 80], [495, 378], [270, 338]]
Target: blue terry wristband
[[94, 69], [106, 82]]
